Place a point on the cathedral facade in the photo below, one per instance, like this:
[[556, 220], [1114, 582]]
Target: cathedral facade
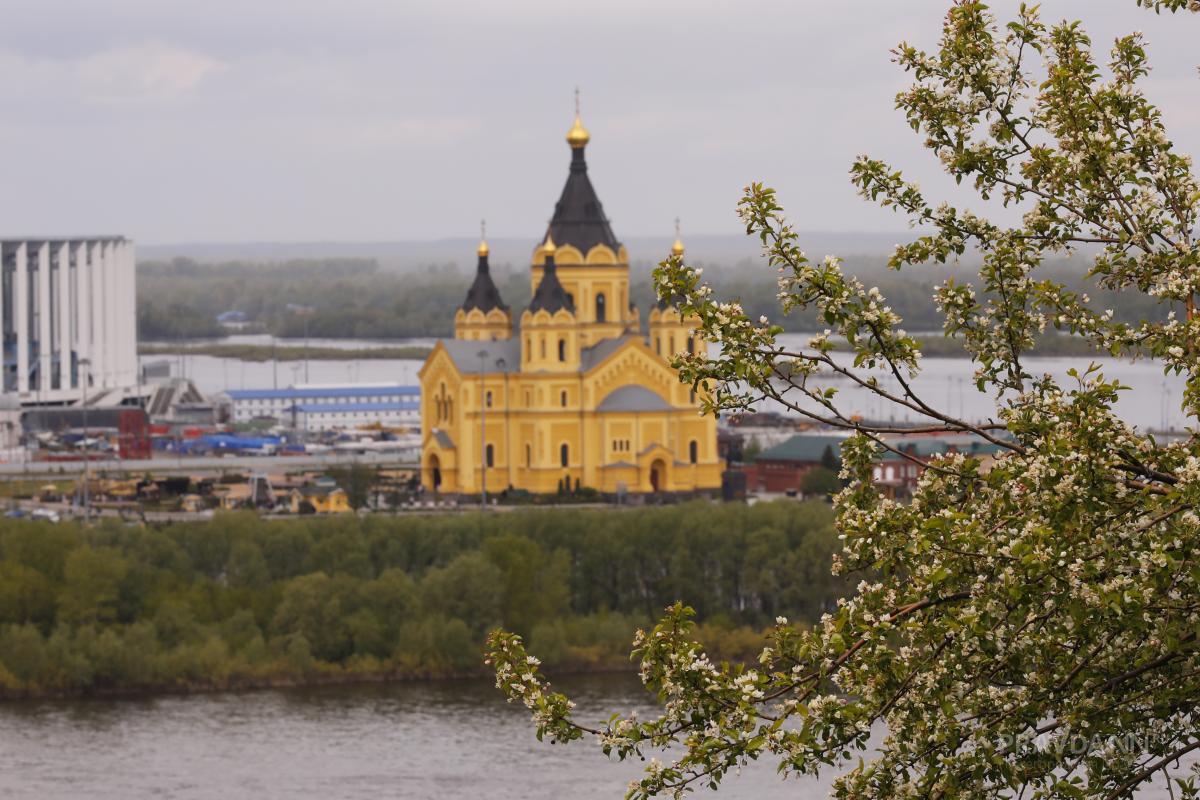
[[570, 392]]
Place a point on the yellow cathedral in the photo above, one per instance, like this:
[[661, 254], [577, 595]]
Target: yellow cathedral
[[574, 394]]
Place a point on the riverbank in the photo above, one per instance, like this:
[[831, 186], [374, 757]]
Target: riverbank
[[259, 353], [737, 645], [324, 675]]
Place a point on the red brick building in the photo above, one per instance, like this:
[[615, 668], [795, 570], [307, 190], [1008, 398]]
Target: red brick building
[[781, 469]]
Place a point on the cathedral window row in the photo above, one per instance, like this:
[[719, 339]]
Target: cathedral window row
[[443, 406], [620, 445]]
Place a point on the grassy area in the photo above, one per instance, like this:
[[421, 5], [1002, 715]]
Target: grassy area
[[261, 352]]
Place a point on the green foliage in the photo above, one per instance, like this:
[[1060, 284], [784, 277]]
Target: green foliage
[[820, 481], [1028, 623], [306, 298], [91, 586], [356, 480], [358, 299], [237, 600]]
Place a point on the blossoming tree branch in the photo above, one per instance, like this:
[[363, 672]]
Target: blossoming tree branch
[[1026, 629]]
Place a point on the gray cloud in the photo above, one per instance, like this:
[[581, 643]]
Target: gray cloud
[[299, 120]]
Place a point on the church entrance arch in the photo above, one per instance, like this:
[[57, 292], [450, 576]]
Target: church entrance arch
[[658, 475], [435, 472]]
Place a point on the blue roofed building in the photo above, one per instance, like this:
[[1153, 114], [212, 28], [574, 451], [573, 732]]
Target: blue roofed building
[[318, 407]]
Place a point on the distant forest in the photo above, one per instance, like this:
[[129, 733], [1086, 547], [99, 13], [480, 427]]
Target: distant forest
[[357, 298]]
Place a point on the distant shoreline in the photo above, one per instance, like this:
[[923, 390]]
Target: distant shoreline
[[322, 676], [267, 352], [931, 347]]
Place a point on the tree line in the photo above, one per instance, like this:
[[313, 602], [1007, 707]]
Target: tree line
[[356, 298], [238, 601]]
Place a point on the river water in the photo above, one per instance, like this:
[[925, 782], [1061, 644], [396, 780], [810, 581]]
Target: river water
[[447, 740], [1152, 402], [444, 740]]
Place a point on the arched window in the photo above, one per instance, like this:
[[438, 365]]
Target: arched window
[[564, 454], [693, 451], [564, 398], [543, 342], [562, 349], [692, 397], [671, 345], [658, 344], [487, 399], [691, 344], [529, 347], [489, 455], [600, 307], [528, 455]]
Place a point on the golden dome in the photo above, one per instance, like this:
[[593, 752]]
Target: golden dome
[[549, 248], [482, 251], [677, 248], [578, 136]]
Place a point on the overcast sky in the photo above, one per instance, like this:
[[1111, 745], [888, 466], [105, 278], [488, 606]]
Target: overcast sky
[[300, 120]]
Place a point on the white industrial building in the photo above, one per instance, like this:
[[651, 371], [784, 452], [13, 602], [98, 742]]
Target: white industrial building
[[69, 310], [326, 406], [348, 416]]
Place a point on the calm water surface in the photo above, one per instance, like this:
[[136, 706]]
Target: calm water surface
[[435, 740], [442, 741], [1153, 401]]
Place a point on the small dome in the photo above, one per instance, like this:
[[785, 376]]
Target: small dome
[[677, 248], [578, 136], [549, 248], [482, 251]]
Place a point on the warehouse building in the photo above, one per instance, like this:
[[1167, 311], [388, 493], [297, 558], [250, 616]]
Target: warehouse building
[[322, 407], [68, 312]]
